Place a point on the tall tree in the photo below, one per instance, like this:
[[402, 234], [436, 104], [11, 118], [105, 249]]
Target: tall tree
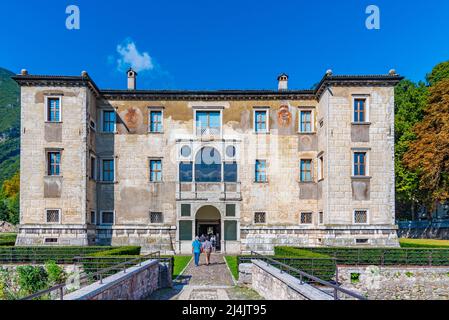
[[439, 72], [428, 155]]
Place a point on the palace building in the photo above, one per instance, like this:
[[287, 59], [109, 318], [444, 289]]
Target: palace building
[[257, 168]]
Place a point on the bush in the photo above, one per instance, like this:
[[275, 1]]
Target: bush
[[56, 274], [109, 258], [32, 279], [298, 253], [121, 251]]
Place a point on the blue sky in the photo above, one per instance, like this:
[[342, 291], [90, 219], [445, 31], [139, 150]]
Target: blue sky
[[232, 44]]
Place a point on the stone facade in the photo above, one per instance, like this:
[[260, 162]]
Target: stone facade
[[396, 282], [228, 208]]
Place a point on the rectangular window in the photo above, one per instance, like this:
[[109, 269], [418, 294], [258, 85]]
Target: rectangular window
[[306, 217], [93, 168], [359, 110], [93, 217], [260, 217], [360, 217], [185, 230], [230, 172], [156, 170], [321, 217], [107, 218], [186, 172], [306, 121], [321, 168], [54, 163], [156, 217], [230, 210], [54, 109], [230, 230], [261, 171], [208, 123], [108, 170], [306, 170], [156, 122], [108, 121], [359, 163], [186, 210], [260, 121], [53, 215]]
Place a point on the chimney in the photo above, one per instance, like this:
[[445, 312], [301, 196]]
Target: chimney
[[132, 75], [283, 82], [24, 72]]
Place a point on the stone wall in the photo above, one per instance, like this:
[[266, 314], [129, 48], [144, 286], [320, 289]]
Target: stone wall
[[397, 282], [136, 283], [271, 284]]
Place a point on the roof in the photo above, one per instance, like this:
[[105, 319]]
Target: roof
[[328, 80]]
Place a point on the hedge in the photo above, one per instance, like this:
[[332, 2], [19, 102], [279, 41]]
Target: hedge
[[298, 253], [424, 243], [7, 239]]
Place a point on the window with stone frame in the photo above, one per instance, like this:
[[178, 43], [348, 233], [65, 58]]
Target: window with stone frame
[[53, 215], [261, 171], [360, 216], [156, 217], [260, 217], [305, 125], [261, 121], [109, 119], [359, 110], [107, 217], [156, 170], [54, 163], [156, 122], [360, 164], [306, 170], [54, 109], [230, 210], [306, 217], [186, 210]]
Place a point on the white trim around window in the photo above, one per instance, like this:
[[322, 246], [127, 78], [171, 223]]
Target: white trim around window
[[367, 161], [367, 216], [101, 217], [46, 108], [312, 119], [200, 108], [366, 97], [101, 169], [59, 216], [267, 119], [150, 111]]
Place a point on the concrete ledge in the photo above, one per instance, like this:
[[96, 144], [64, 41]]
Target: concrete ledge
[[96, 289]]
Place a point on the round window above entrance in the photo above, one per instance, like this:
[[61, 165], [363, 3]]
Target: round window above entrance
[[230, 151], [186, 151]]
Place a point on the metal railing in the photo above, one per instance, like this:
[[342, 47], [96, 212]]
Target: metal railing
[[89, 276], [306, 278]]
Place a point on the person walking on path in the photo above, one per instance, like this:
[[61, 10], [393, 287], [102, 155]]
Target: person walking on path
[[207, 249], [196, 250]]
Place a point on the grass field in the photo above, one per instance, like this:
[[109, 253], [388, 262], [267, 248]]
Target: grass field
[[233, 266], [423, 243], [181, 263]]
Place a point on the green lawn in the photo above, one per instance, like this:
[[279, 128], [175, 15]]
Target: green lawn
[[423, 243], [8, 239], [180, 263], [233, 266]]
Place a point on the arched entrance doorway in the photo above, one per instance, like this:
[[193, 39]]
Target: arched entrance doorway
[[208, 222]]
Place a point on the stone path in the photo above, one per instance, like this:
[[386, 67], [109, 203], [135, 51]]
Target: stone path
[[212, 282]]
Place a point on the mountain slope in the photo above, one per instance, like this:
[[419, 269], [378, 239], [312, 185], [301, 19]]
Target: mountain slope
[[9, 125]]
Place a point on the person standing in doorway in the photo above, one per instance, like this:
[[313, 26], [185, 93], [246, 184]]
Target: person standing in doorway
[[207, 249], [213, 240], [196, 250]]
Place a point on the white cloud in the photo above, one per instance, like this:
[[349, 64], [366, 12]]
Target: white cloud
[[131, 57]]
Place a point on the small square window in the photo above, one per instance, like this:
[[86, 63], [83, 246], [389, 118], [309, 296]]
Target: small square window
[[107, 217], [306, 217], [53, 215], [260, 217], [360, 216], [230, 210], [156, 217], [186, 210]]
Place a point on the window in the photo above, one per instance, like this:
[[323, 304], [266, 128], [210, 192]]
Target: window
[[359, 110], [306, 170], [230, 210], [321, 217], [208, 165], [260, 121], [53, 215], [321, 168], [306, 121], [261, 171], [108, 170], [54, 163], [54, 109], [156, 217], [230, 172], [260, 217], [108, 121], [93, 167], [230, 230], [185, 230], [155, 170], [51, 240], [93, 217], [360, 217], [208, 123], [306, 217], [186, 210], [107, 217], [156, 122], [186, 172], [361, 241], [359, 163]]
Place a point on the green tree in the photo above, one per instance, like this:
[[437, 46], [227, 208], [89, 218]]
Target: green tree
[[32, 279], [439, 72]]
